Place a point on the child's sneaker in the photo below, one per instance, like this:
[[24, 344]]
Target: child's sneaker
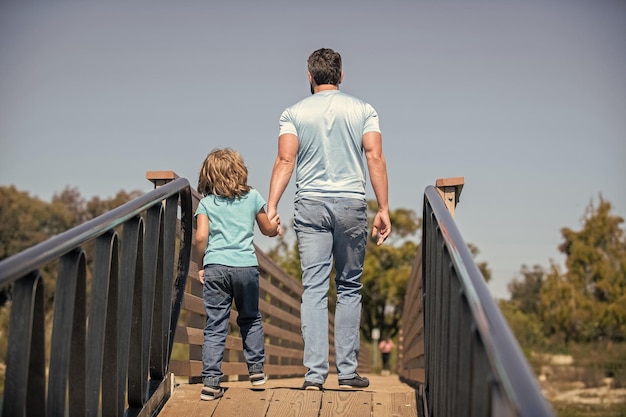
[[211, 393], [312, 386], [258, 379], [355, 382]]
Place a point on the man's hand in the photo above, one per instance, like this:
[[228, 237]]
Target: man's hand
[[200, 276], [382, 227], [275, 221]]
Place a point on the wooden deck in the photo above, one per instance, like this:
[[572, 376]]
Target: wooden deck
[[386, 396]]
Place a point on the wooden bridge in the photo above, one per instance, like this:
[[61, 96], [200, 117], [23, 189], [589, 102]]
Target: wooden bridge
[[128, 341], [386, 396]]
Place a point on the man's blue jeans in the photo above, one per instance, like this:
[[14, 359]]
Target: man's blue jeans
[[222, 285], [331, 228]]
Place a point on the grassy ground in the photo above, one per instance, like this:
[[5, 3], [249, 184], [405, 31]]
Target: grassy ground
[[584, 410], [584, 380]]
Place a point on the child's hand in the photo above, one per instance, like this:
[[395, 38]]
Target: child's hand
[[276, 220], [200, 276]]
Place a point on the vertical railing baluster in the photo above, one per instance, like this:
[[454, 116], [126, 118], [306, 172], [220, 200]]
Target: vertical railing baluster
[[132, 253], [25, 377], [96, 331], [67, 346], [112, 390]]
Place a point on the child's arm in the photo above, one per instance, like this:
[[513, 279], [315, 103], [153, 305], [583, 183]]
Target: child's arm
[[201, 242], [268, 227]]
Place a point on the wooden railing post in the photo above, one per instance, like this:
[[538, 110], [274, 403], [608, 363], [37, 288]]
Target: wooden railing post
[[450, 191], [159, 178]]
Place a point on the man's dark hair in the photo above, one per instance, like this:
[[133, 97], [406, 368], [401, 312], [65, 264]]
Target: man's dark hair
[[325, 66]]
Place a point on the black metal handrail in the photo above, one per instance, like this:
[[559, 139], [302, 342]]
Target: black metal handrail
[[110, 356], [474, 365]]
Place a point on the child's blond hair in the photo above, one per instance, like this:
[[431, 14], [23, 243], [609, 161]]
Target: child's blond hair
[[223, 173]]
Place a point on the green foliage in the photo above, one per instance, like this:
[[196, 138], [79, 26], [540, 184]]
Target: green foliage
[[482, 266], [26, 221], [286, 254], [525, 292], [588, 301], [526, 326]]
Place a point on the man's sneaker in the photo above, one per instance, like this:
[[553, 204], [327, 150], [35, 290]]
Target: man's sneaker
[[354, 382], [211, 393], [312, 386], [258, 379]]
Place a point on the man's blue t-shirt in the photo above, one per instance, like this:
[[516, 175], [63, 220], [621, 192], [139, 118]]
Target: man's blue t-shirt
[[231, 228], [330, 126]]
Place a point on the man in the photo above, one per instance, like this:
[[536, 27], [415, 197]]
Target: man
[[325, 136]]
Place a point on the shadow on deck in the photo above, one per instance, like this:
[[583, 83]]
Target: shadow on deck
[[386, 396]]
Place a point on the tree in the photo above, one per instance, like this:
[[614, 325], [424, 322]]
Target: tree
[[386, 270], [522, 310], [526, 291], [588, 301], [527, 329], [26, 221], [482, 266]]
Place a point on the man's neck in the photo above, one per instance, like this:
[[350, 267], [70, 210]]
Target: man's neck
[[324, 87]]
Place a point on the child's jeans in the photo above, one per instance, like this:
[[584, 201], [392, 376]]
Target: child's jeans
[[222, 285]]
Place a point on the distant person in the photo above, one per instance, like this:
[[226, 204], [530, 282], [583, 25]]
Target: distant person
[[325, 137], [386, 345], [227, 264]]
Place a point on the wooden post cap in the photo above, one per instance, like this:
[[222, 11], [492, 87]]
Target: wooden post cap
[[450, 191], [159, 178]]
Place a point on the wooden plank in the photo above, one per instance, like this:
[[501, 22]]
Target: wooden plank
[[284, 352], [277, 293], [417, 375], [269, 266], [396, 404], [179, 367], [272, 330], [283, 398], [274, 312], [278, 370], [295, 403], [243, 402], [346, 403], [189, 335], [193, 303], [186, 402]]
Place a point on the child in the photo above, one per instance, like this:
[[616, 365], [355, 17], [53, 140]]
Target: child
[[227, 264]]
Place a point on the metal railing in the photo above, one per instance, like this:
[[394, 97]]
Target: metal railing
[[473, 363], [110, 351]]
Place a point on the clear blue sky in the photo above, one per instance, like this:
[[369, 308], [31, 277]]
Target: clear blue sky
[[525, 99]]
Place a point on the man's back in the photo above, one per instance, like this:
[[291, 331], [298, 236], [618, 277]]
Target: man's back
[[330, 126]]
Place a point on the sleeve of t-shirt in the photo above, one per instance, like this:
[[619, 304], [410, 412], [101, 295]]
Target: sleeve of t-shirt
[[201, 209], [286, 125], [259, 202], [371, 120]]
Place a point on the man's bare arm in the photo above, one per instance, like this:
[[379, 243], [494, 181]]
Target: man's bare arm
[[377, 167], [281, 173]]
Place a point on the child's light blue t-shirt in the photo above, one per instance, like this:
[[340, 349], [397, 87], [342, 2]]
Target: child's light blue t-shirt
[[231, 228]]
